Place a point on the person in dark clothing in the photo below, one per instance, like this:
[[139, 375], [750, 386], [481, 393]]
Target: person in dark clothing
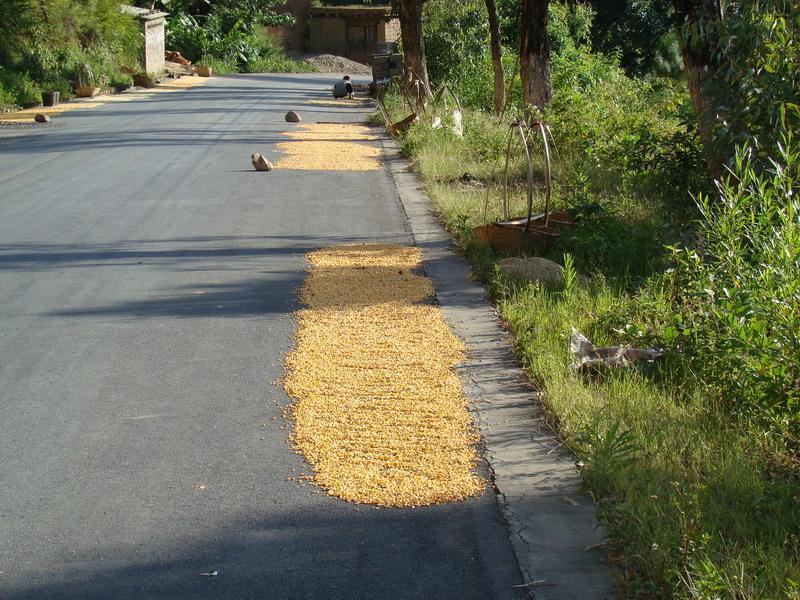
[[343, 88]]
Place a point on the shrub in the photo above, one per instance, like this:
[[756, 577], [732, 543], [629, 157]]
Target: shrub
[[456, 39], [756, 84], [737, 296], [19, 88], [7, 98], [228, 46], [185, 35], [50, 39], [219, 65]]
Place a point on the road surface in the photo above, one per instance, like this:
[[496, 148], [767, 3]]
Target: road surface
[[147, 281]]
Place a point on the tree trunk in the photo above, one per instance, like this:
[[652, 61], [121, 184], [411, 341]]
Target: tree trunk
[[413, 41], [497, 57], [534, 55], [697, 62]]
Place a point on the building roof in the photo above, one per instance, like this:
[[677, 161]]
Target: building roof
[[353, 9]]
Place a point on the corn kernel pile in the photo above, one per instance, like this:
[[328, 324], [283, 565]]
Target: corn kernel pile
[[358, 101], [330, 147], [379, 412], [333, 132]]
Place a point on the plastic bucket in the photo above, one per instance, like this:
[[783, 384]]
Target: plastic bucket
[[50, 98]]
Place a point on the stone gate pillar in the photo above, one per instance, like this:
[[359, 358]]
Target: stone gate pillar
[[153, 28]]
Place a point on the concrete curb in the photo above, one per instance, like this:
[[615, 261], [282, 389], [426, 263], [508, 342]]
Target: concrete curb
[[551, 523]]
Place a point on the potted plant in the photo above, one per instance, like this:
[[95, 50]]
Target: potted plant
[[203, 70], [85, 81]]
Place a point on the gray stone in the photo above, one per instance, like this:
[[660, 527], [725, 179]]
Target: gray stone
[[41, 118], [293, 117], [261, 163], [534, 268]]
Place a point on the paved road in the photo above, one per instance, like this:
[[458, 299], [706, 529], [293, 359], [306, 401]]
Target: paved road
[[147, 280]]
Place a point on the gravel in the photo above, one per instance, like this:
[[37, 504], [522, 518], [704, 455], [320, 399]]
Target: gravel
[[330, 63]]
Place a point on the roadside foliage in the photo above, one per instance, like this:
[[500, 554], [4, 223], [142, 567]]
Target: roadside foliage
[[45, 45], [693, 459]]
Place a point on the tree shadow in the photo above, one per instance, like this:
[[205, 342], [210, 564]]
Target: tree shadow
[[268, 292], [323, 549]]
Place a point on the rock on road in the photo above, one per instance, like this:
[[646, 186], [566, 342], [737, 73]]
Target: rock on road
[[147, 281]]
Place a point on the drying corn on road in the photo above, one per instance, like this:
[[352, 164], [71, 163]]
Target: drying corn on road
[[149, 280]]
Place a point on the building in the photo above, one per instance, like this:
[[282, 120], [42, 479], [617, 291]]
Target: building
[[352, 31]]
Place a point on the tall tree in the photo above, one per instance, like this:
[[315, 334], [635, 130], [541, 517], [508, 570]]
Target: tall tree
[[534, 53], [497, 56], [17, 20], [697, 19], [640, 32], [410, 12]]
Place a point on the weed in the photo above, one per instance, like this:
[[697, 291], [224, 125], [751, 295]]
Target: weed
[[570, 275]]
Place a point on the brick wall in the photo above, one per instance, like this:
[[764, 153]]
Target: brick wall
[[329, 35], [294, 37], [389, 31]]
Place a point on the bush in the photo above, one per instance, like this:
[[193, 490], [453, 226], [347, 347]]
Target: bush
[[19, 88], [227, 46], [737, 296], [756, 84], [456, 40], [7, 98], [271, 57], [50, 39], [219, 65]]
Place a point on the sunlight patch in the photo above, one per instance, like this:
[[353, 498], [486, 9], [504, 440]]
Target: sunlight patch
[[27, 115]]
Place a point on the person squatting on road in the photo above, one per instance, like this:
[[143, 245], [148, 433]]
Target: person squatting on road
[[343, 88]]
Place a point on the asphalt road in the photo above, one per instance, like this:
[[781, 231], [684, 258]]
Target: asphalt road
[[147, 281]]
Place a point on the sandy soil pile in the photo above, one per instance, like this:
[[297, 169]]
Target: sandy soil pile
[[330, 63]]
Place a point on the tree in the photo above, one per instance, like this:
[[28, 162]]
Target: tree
[[640, 32], [698, 18], [413, 41], [534, 53], [247, 12], [497, 56], [16, 23]]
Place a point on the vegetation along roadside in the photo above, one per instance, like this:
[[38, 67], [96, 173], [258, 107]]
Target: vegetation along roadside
[[685, 240], [57, 45]]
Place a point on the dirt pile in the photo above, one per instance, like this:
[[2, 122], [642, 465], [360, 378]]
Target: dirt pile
[[330, 63]]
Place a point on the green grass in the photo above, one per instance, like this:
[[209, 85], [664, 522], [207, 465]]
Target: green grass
[[279, 64], [690, 495], [219, 66], [696, 503], [265, 55]]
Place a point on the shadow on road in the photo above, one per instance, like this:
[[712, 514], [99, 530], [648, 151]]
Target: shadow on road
[[331, 550], [258, 109], [275, 292]]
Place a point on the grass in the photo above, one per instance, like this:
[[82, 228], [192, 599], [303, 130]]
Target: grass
[[696, 503], [271, 64]]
